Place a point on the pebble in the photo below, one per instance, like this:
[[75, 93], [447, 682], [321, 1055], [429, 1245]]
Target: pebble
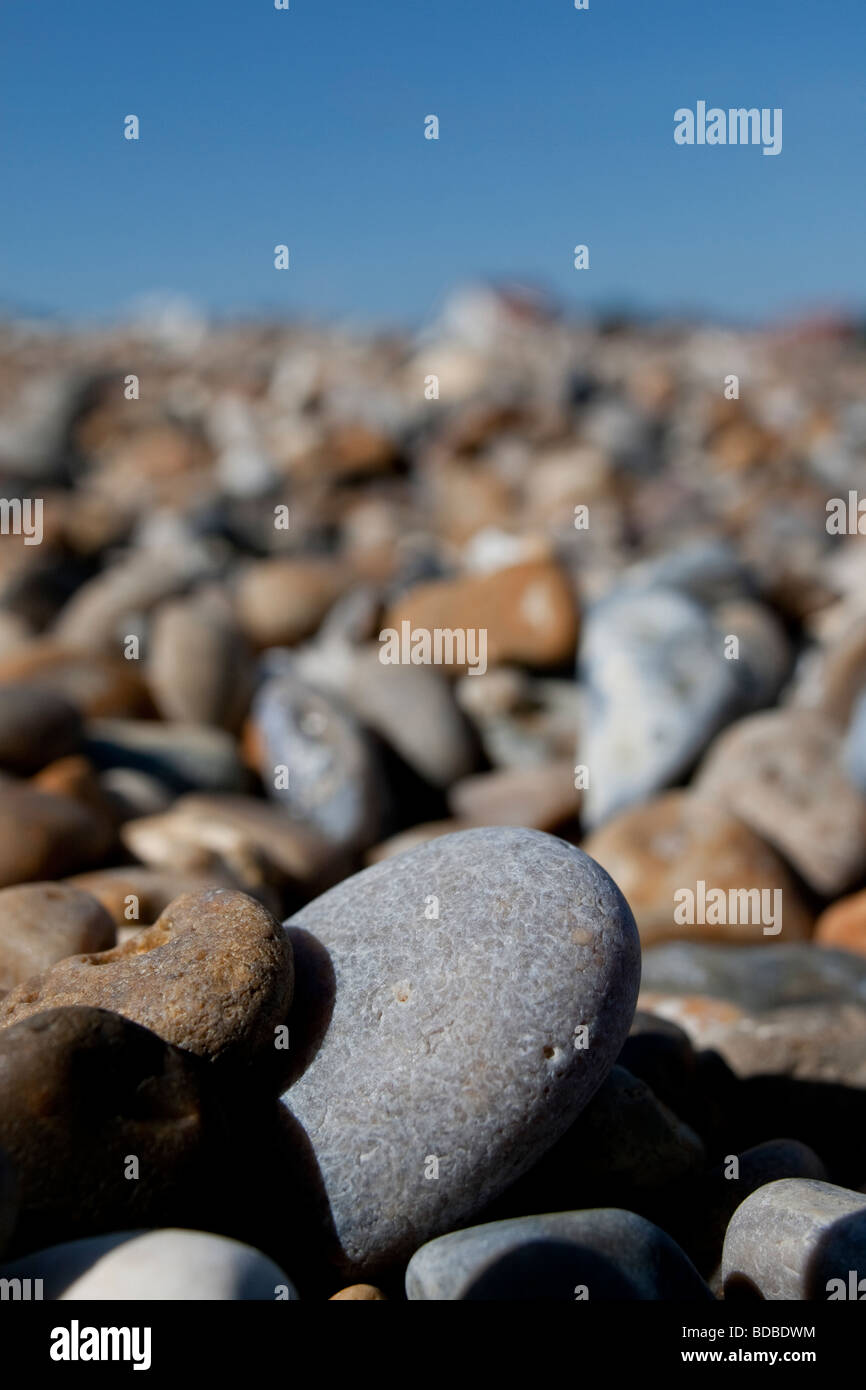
[[44, 836], [659, 1052], [843, 924], [816, 1042], [755, 979], [764, 659], [528, 612], [792, 1239], [334, 782], [781, 772], [595, 1255], [36, 727], [186, 757], [154, 1266], [658, 689], [280, 602], [98, 684], [198, 666], [854, 748], [410, 839], [414, 710], [41, 923], [81, 1089], [677, 841], [151, 889], [359, 1293], [212, 976], [454, 1038], [107, 608], [236, 838], [542, 797]]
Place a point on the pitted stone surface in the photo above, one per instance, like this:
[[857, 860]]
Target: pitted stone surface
[[452, 1039], [213, 975], [612, 1254]]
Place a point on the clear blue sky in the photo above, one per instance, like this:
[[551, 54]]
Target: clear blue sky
[[306, 127]]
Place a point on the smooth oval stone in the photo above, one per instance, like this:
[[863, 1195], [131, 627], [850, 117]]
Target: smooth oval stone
[[46, 836], [212, 976], [796, 1238], [154, 1266], [458, 1037], [611, 1254], [333, 779], [106, 608], [37, 726], [781, 773], [41, 923], [81, 1090], [677, 842], [658, 689], [843, 924], [541, 797], [199, 665], [187, 757]]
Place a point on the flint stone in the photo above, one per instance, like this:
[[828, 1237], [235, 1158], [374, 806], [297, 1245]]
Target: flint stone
[[658, 689], [614, 1254], [791, 1238], [454, 1037]]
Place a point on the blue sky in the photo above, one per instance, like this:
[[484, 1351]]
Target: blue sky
[[307, 127]]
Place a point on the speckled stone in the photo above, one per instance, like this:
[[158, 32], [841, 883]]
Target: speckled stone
[[36, 727], [41, 923], [611, 1254], [154, 1266], [452, 1038], [781, 773], [82, 1089], [213, 976], [791, 1238], [658, 689]]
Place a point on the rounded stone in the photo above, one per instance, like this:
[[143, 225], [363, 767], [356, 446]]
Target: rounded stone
[[82, 1090], [458, 1006], [662, 851], [44, 836], [186, 757], [212, 976], [843, 924], [100, 685], [155, 1266], [658, 689], [134, 896], [198, 665], [41, 923], [540, 797], [796, 1239], [594, 1255], [781, 773], [281, 601], [37, 726]]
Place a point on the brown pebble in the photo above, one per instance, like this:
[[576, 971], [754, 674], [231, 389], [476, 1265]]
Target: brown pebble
[[43, 836], [213, 975], [42, 923], [365, 1293]]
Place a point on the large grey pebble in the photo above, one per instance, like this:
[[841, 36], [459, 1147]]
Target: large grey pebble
[[453, 1039], [611, 1254], [790, 1239], [154, 1266], [658, 689]]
